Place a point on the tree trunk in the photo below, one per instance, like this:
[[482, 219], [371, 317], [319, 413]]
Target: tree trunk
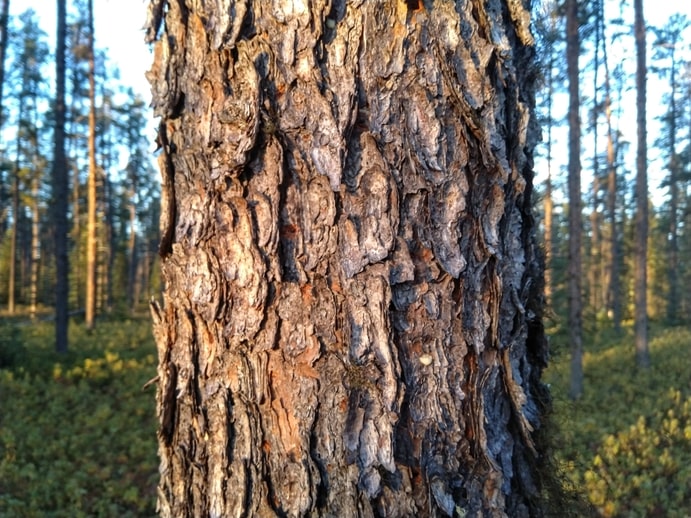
[[12, 288], [673, 237], [595, 263], [575, 225], [132, 246], [612, 267], [614, 302], [111, 238], [91, 239], [548, 201], [35, 243], [352, 320], [12, 276], [4, 18], [60, 177], [641, 244], [77, 274]]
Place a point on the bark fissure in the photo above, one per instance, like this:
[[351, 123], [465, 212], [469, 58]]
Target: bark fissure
[[351, 321]]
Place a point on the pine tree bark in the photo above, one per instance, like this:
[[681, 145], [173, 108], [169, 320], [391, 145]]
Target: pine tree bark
[[91, 239], [352, 314]]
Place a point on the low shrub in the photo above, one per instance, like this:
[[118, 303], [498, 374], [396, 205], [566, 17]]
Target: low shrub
[[77, 432], [627, 442]]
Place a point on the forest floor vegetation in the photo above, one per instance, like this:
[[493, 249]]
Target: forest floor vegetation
[[626, 443], [78, 432]]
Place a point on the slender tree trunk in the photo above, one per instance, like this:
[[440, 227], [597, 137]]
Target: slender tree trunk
[[77, 274], [35, 244], [641, 250], [549, 239], [612, 269], [595, 260], [104, 228], [4, 17], [11, 283], [60, 177], [12, 288], [132, 250], [111, 239], [77, 286], [548, 203], [673, 234], [91, 240], [612, 272], [352, 319], [575, 225], [614, 275], [24, 257], [595, 266]]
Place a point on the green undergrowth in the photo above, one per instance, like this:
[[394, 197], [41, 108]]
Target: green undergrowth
[[626, 444], [77, 431]]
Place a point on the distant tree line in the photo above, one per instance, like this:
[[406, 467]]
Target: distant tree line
[[110, 196], [635, 254]]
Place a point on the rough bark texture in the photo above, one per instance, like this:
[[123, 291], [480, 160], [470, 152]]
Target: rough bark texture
[[352, 314]]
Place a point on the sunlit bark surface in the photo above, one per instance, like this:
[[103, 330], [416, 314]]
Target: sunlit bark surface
[[351, 322], [91, 238]]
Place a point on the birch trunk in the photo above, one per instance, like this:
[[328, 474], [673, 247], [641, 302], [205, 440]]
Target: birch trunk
[[352, 314]]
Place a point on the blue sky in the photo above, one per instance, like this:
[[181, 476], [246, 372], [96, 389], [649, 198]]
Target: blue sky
[[118, 28]]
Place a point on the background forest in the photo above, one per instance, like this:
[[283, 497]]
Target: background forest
[[77, 432]]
